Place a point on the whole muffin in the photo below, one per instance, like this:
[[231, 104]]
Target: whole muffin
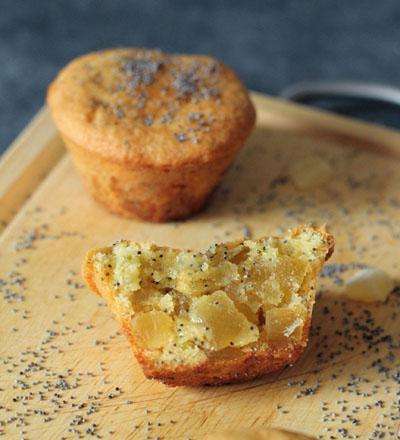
[[151, 133]]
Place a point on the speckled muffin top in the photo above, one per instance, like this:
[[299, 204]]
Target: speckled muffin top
[[147, 108]]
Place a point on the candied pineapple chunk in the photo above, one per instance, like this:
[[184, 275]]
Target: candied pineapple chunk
[[290, 274], [310, 172], [282, 324], [227, 326], [153, 329], [369, 285], [203, 277], [183, 308]]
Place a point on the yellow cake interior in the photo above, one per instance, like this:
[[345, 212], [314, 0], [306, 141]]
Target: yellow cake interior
[[185, 307]]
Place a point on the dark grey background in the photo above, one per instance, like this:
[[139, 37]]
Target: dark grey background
[[271, 44]]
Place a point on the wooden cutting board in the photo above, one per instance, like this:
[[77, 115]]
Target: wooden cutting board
[[67, 372]]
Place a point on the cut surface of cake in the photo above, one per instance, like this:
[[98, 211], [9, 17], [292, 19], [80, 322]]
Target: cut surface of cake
[[232, 313], [259, 434]]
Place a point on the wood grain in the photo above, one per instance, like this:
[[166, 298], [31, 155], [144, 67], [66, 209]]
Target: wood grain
[[77, 369], [24, 165]]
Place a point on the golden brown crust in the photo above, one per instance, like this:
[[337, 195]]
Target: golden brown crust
[[150, 194], [259, 434], [88, 272], [238, 369], [152, 133], [94, 106], [214, 372]]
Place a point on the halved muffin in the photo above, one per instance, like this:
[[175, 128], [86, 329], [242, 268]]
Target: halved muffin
[[259, 434], [235, 312], [151, 133]]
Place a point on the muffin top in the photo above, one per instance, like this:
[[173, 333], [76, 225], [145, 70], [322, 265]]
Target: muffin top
[[151, 109]]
